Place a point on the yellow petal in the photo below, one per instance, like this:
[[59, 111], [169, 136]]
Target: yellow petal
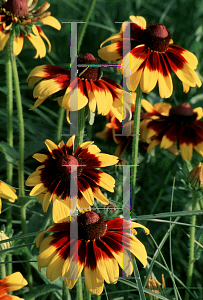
[[93, 281], [60, 211], [138, 249], [47, 40], [188, 76], [199, 111], [109, 52], [39, 188], [99, 196], [51, 21], [139, 21], [148, 80], [46, 88], [54, 269], [106, 181], [47, 252], [46, 201], [50, 145], [109, 269], [38, 44], [106, 159], [70, 142], [38, 102], [147, 106], [14, 282], [186, 151], [153, 144], [18, 44], [88, 195], [166, 143], [40, 157], [191, 58], [71, 271], [124, 261], [3, 39]]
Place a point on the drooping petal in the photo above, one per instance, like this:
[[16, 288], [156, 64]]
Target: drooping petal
[[51, 21]]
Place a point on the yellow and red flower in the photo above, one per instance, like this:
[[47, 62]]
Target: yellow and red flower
[[52, 180], [98, 248], [114, 129], [152, 58], [102, 93], [11, 283], [168, 126], [7, 192], [19, 15]]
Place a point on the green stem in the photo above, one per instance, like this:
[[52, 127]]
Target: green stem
[[65, 292], [21, 159], [60, 124], [87, 295], [138, 280], [21, 126], [136, 130], [79, 289], [2, 267], [81, 127], [9, 84], [84, 26], [192, 243]]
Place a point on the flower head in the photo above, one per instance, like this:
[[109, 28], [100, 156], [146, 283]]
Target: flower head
[[98, 92], [152, 58], [195, 177], [98, 248], [166, 125], [11, 283], [20, 16], [115, 128], [155, 286], [7, 192], [62, 168]]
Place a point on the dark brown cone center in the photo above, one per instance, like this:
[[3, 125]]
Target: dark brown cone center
[[17, 7], [87, 72], [67, 164], [182, 113], [91, 226], [157, 37]]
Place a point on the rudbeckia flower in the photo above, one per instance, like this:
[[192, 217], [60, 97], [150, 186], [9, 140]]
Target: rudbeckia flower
[[98, 92], [7, 192], [51, 181], [168, 126], [11, 283], [98, 248], [19, 15], [115, 128], [152, 58]]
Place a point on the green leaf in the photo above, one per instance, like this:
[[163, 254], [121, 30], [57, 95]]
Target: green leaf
[[10, 153], [42, 290]]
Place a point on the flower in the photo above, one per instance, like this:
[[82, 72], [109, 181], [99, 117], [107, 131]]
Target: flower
[[166, 125], [103, 93], [4, 237], [52, 181], [98, 247], [115, 128], [11, 283], [7, 192], [19, 15], [152, 58], [195, 177], [155, 286]]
